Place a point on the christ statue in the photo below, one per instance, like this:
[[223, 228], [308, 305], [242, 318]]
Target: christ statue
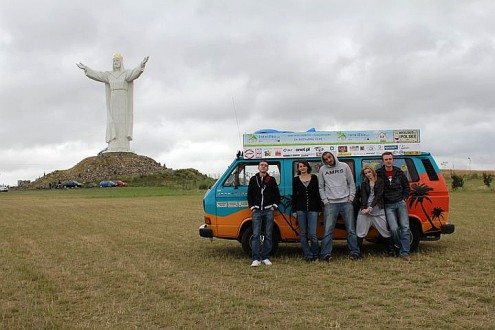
[[119, 100]]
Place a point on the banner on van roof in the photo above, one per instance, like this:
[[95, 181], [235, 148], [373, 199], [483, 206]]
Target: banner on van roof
[[343, 143]]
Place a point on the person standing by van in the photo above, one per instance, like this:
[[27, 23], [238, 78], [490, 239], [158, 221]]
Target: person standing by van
[[372, 212], [396, 192], [306, 205], [263, 198], [337, 191]]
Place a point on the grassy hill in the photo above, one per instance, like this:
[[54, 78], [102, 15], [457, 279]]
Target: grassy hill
[[134, 169]]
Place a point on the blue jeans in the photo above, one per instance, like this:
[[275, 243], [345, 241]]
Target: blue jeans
[[307, 221], [332, 211], [398, 222], [262, 217]]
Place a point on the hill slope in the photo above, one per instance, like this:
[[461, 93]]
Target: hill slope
[[136, 169]]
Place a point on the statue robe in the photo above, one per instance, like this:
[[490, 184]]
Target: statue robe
[[119, 88]]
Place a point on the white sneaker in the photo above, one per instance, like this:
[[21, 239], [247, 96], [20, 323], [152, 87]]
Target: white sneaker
[[267, 262], [256, 263]]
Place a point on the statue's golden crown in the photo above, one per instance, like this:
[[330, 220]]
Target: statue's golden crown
[[117, 55]]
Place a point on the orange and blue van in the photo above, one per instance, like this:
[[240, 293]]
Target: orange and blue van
[[226, 212]]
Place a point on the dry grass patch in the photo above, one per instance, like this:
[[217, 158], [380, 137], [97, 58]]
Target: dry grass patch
[[81, 261]]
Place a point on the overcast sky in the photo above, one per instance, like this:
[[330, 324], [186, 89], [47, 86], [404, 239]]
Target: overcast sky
[[218, 69]]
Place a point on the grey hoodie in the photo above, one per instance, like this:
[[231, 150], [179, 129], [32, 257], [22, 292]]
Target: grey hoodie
[[336, 182]]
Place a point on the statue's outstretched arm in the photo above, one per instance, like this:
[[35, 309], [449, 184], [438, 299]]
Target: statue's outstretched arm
[[82, 66], [143, 63]]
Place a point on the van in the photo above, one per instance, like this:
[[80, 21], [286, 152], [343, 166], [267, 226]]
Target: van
[[226, 212]]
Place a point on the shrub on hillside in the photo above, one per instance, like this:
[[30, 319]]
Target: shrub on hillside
[[188, 173]]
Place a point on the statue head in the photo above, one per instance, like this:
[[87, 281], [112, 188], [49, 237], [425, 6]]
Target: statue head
[[118, 64]]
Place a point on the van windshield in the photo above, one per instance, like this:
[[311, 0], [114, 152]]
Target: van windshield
[[242, 173]]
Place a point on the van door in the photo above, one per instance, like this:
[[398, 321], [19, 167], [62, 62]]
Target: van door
[[231, 196]]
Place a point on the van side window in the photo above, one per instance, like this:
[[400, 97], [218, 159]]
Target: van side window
[[405, 164], [315, 166], [412, 172], [243, 172], [350, 162], [430, 170]]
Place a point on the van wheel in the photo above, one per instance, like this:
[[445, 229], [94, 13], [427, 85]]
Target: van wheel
[[247, 236], [415, 232], [246, 240]]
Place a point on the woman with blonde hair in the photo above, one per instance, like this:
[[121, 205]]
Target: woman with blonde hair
[[372, 212]]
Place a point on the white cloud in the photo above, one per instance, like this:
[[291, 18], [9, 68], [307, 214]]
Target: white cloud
[[287, 65]]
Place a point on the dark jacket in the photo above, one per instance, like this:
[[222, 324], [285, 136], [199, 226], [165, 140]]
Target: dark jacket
[[397, 189], [263, 193], [378, 191], [305, 198]]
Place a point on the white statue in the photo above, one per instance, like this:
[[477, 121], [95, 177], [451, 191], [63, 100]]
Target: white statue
[[119, 96]]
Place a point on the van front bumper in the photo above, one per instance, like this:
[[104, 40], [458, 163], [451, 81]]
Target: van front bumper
[[448, 229], [204, 231]]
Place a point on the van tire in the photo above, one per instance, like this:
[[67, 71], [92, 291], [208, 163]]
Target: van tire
[[247, 235], [246, 240], [415, 232]]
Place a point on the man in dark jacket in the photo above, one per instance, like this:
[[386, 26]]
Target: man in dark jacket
[[395, 194], [263, 198]]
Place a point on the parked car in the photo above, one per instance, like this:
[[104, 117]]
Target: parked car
[[4, 188], [72, 184], [105, 184], [120, 183]]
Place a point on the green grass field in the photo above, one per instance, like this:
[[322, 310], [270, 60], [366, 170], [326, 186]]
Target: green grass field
[[132, 258]]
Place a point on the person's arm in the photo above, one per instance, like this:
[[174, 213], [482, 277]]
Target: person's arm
[[276, 192], [294, 194], [321, 188], [250, 194], [405, 186], [315, 192], [364, 197], [378, 192], [351, 185]]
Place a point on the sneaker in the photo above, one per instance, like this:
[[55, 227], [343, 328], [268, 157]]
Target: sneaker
[[256, 263], [406, 257], [267, 262], [327, 258], [353, 257]]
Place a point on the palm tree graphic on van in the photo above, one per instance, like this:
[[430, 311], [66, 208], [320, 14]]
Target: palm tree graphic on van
[[437, 214], [419, 193]]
